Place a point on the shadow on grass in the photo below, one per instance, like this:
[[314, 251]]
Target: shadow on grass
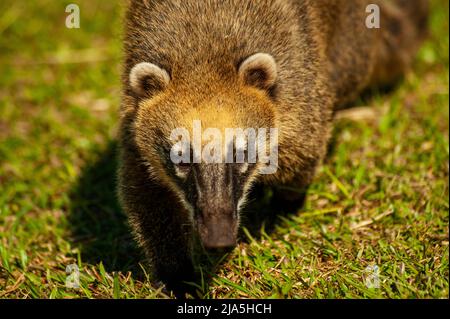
[[98, 226]]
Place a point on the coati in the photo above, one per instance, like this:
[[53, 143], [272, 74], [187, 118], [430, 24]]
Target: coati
[[285, 64]]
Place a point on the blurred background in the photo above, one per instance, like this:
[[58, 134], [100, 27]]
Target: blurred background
[[385, 179]]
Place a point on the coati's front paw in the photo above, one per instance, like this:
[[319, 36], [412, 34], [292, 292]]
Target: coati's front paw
[[289, 199], [178, 279]]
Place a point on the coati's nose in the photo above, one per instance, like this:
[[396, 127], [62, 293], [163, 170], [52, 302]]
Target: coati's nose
[[218, 232]]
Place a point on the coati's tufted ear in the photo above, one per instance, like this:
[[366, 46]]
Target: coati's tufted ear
[[259, 70], [147, 79]]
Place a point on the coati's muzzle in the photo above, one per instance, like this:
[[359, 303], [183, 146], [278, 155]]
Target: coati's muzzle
[[218, 229], [216, 211]]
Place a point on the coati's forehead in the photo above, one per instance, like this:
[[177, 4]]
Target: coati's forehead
[[171, 111], [209, 118], [242, 100]]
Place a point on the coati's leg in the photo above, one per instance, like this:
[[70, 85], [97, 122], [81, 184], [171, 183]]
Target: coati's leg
[[289, 196], [159, 222], [403, 28]]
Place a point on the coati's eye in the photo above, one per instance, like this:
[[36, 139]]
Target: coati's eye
[[182, 170], [184, 165]]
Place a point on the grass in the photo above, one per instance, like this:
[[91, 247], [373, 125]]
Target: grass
[[380, 198]]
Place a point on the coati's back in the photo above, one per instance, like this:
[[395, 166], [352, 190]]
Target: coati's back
[[359, 56], [183, 35]]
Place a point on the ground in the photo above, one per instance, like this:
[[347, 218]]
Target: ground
[[374, 224]]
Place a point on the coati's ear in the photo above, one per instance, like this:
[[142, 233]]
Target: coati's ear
[[259, 70], [147, 79]]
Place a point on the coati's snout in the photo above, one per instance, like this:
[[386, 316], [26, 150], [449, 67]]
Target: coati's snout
[[215, 192], [217, 229], [216, 217]]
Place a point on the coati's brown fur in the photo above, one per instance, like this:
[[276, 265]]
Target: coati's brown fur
[[324, 54]]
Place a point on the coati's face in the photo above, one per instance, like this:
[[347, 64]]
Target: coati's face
[[203, 142]]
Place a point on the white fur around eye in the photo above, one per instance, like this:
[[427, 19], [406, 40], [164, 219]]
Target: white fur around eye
[[181, 173], [244, 168], [241, 143], [145, 70]]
